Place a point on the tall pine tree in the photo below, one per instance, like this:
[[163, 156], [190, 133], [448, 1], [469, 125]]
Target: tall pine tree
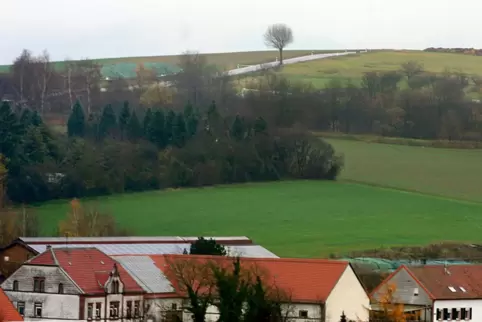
[[76, 122], [179, 132], [10, 130], [134, 129], [191, 118], [107, 123], [238, 129], [124, 118], [157, 129], [147, 123], [170, 118]]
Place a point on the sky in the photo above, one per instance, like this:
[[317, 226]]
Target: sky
[[78, 29]]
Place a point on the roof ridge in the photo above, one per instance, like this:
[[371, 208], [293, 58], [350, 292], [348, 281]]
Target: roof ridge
[[260, 259]]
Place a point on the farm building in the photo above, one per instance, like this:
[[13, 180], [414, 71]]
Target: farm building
[[73, 284], [318, 290], [24, 248], [435, 292]]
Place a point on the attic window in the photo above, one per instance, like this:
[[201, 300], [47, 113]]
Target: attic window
[[452, 289], [463, 289], [415, 291]]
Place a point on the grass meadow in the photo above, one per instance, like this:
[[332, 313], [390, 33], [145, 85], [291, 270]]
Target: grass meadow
[[320, 72], [296, 219]]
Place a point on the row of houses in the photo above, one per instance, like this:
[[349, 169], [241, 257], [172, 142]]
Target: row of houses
[[124, 279]]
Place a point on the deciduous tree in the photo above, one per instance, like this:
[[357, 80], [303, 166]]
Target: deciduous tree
[[203, 246], [278, 36]]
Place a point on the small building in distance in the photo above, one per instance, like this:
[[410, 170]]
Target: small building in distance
[[74, 284], [435, 292]]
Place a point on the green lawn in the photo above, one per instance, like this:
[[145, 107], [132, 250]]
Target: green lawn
[[299, 219], [453, 173]]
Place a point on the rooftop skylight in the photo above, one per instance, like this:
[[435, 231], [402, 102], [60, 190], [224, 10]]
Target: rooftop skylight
[[452, 289], [463, 289]]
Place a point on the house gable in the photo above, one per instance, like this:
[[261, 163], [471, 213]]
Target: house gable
[[53, 275], [408, 289], [349, 297]]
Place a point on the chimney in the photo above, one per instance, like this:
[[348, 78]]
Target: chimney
[[446, 269]]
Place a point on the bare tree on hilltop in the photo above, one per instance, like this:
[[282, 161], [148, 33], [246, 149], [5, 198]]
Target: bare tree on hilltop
[[278, 36]]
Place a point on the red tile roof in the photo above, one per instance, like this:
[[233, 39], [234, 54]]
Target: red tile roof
[[7, 311], [304, 280], [437, 280], [89, 268]]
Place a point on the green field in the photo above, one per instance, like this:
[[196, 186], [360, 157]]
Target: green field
[[320, 72], [453, 173], [299, 219]]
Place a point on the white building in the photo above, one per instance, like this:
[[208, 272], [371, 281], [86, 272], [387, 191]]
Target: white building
[[436, 292], [74, 284], [317, 289]]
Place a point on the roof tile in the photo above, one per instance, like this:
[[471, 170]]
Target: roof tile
[[305, 280], [438, 280], [7, 311], [89, 268]]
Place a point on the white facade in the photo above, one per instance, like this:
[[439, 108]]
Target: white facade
[[473, 306], [348, 296]]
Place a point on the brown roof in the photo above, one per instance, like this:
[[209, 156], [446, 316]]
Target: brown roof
[[445, 283], [451, 282]]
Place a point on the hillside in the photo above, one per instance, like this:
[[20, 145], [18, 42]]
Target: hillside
[[221, 60], [352, 67]]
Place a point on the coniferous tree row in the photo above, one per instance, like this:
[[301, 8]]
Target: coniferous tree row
[[122, 148]]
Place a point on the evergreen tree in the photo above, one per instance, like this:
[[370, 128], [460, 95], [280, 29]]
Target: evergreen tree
[[203, 246], [26, 118], [238, 129], [260, 125], [134, 129], [107, 123], [179, 132], [76, 122], [10, 130], [124, 118], [157, 129], [191, 119], [170, 119], [147, 123], [36, 119]]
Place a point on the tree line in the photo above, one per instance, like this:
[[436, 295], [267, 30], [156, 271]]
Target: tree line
[[118, 151], [465, 51]]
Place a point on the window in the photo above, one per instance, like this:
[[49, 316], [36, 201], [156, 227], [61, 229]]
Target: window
[[455, 314], [90, 310], [415, 291], [439, 315], [15, 285], [114, 310], [452, 289], [174, 306], [98, 307], [115, 287], [129, 309], [469, 314], [463, 289], [21, 308], [446, 314], [136, 308], [303, 314], [39, 284], [37, 310], [61, 288]]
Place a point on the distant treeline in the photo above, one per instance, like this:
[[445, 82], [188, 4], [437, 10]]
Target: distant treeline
[[465, 51], [121, 149]]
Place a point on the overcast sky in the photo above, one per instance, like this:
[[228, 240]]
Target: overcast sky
[[113, 28]]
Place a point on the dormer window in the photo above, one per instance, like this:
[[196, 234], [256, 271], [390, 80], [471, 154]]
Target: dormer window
[[15, 285], [115, 287]]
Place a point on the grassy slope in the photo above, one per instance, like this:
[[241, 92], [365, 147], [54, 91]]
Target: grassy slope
[[222, 60], [447, 172], [293, 218], [321, 71]]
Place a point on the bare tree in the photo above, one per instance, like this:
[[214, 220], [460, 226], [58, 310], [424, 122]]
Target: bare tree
[[22, 69], [278, 36], [43, 73], [91, 76]]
